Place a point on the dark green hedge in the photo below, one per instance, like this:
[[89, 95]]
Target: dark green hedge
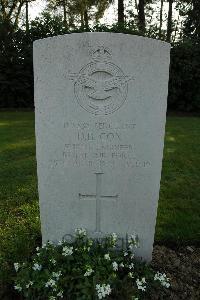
[[16, 71]]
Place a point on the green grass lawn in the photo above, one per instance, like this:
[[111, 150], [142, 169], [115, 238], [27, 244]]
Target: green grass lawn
[[179, 206]]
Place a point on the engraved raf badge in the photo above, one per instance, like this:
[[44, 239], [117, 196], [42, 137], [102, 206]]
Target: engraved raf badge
[[100, 87]]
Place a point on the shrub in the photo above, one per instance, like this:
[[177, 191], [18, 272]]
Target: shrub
[[85, 268]]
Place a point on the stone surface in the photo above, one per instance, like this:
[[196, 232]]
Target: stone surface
[[100, 106]]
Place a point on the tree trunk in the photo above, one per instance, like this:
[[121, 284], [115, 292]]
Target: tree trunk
[[121, 12], [27, 20], [141, 16], [86, 19], [136, 6], [161, 18], [169, 21], [64, 13]]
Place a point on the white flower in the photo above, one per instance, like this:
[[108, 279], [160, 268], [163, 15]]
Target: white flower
[[107, 256], [18, 288], [130, 274], [56, 275], [131, 266], [50, 283], [88, 272], [38, 248], [29, 284], [53, 261], [115, 266], [125, 253], [52, 298], [114, 238], [132, 256], [60, 294], [133, 241], [103, 290], [141, 284], [134, 298], [164, 281], [37, 267], [121, 265], [80, 232], [67, 251], [16, 266]]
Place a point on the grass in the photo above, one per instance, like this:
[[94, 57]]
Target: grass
[[178, 219]]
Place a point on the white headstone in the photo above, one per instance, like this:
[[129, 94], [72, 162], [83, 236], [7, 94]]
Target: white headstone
[[100, 106]]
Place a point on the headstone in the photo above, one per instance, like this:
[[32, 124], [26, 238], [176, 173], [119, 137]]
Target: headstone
[[100, 107]]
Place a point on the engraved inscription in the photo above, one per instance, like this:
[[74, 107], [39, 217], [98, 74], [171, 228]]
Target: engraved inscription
[[98, 197], [100, 87]]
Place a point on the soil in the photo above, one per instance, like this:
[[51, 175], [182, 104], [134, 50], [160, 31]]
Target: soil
[[182, 266]]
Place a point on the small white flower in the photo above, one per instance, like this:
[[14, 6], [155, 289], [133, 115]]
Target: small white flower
[[60, 294], [131, 266], [50, 283], [125, 253], [18, 288], [53, 261], [56, 275], [16, 266], [103, 290], [107, 256], [67, 251], [80, 232], [37, 267], [164, 281], [121, 265], [130, 274], [141, 284], [52, 298], [88, 272], [134, 298], [115, 266], [38, 248], [114, 238], [133, 241], [29, 284], [132, 256]]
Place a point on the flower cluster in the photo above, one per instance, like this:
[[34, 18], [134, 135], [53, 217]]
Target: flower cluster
[[133, 241], [37, 267], [88, 272], [162, 278], [51, 272], [103, 290], [80, 232], [16, 266], [67, 251], [141, 284]]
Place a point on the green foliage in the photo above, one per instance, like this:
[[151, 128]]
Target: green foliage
[[184, 84], [85, 268], [16, 70]]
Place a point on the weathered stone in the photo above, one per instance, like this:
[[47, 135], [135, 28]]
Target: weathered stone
[[100, 104]]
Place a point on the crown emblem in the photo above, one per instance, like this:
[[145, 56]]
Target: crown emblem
[[100, 53]]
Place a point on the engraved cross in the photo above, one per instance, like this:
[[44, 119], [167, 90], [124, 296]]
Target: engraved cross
[[98, 197]]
